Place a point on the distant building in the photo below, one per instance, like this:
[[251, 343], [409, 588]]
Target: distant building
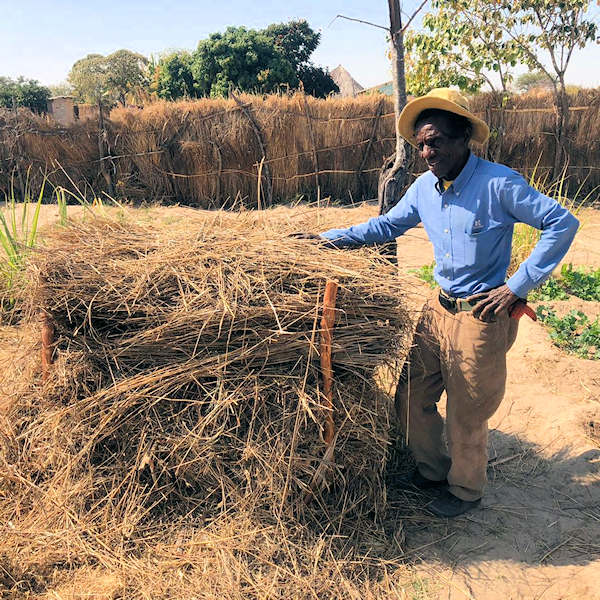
[[65, 112], [347, 84], [62, 109]]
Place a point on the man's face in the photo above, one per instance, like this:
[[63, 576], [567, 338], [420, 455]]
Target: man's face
[[445, 156]]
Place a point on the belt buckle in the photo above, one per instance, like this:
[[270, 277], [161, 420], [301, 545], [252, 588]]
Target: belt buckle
[[448, 302]]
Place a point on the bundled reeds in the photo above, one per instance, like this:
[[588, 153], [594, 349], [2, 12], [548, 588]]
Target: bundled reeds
[[211, 153], [187, 389]]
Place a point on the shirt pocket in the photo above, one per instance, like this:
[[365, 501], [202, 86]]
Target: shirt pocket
[[480, 237]]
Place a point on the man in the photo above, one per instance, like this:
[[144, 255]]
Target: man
[[468, 207]]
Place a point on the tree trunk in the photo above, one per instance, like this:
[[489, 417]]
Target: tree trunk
[[392, 177], [562, 123]]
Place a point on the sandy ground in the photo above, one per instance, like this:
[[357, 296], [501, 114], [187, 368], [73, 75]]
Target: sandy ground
[[537, 534]]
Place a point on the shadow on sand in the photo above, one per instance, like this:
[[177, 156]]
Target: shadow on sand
[[537, 509]]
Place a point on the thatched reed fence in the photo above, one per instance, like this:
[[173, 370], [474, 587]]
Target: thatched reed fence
[[251, 150]]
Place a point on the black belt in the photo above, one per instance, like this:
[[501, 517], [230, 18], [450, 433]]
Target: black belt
[[454, 304]]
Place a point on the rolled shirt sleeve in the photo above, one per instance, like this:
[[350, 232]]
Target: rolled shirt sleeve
[[558, 226], [384, 228]]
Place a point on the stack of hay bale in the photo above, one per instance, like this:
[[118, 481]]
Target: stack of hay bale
[[187, 381]]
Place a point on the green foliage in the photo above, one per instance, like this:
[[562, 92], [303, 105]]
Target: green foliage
[[108, 78], [172, 76], [576, 281], [18, 235], [464, 39], [61, 89], [240, 58], [126, 72], [296, 40], [89, 78], [248, 60], [26, 92], [552, 289], [581, 282], [457, 48], [547, 29], [533, 79], [574, 332], [426, 274], [316, 81]]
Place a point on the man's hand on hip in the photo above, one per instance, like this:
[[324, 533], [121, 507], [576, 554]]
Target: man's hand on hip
[[492, 303]]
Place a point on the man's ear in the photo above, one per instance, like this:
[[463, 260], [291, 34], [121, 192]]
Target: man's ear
[[468, 133]]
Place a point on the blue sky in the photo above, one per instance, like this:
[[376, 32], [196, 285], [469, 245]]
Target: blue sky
[[42, 39]]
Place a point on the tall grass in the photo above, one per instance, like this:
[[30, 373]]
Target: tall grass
[[18, 235]]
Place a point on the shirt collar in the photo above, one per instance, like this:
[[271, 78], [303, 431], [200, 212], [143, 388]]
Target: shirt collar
[[465, 175]]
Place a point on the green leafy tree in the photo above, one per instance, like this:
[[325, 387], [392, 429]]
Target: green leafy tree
[[241, 58], [547, 33], [108, 78], [533, 79], [317, 81], [172, 76], [297, 41], [127, 72], [25, 92], [456, 47], [89, 78], [542, 34]]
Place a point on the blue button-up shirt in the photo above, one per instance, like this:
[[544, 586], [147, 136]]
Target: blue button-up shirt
[[471, 226]]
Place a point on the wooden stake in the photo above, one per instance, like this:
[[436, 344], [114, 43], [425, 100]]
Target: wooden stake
[[327, 323], [47, 344]]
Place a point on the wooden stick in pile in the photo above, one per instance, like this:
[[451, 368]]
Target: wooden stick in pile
[[327, 323]]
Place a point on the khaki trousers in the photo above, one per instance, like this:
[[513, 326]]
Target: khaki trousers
[[467, 358]]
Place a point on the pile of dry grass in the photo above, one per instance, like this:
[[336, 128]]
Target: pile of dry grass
[[186, 400]]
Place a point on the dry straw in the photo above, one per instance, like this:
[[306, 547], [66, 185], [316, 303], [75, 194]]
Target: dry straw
[[207, 153], [186, 406]]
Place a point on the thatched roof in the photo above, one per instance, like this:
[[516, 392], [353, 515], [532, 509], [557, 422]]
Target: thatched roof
[[347, 84]]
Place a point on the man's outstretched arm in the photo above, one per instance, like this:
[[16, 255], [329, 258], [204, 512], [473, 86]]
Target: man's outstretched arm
[[379, 230]]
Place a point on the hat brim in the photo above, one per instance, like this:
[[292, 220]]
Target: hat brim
[[410, 113]]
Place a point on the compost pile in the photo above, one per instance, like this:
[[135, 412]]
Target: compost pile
[[187, 383]]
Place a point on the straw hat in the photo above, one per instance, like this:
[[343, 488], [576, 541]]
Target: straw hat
[[443, 99]]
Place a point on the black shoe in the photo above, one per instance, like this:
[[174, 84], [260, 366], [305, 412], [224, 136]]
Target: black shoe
[[448, 505], [415, 479]]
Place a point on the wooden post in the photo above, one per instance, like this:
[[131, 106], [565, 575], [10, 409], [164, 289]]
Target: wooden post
[[47, 344], [319, 477], [327, 323]]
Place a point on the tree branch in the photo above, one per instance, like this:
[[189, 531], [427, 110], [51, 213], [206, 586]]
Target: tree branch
[[358, 21], [414, 15]]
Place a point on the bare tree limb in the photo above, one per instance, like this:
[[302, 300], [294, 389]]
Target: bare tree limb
[[358, 21], [410, 20]]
